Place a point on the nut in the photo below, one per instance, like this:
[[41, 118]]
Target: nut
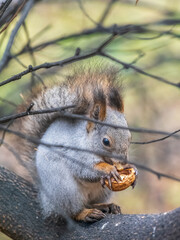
[[128, 176]]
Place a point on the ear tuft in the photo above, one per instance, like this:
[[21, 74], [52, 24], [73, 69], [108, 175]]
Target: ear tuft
[[115, 100], [98, 111]]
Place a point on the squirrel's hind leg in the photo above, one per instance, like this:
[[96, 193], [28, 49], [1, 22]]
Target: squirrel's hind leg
[[90, 215]]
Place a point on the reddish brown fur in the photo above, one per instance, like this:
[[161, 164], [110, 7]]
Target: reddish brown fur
[[104, 167]]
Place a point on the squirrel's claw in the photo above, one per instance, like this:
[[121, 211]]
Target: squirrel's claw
[[109, 181], [136, 174], [102, 181], [112, 174], [108, 178], [94, 215], [116, 175]]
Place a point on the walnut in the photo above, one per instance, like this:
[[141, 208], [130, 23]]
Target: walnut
[[128, 176]]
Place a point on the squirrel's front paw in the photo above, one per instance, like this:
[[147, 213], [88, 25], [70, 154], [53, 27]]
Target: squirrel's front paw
[[112, 173], [109, 172], [90, 215]]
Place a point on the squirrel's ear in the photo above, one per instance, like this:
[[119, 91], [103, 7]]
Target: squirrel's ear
[[98, 112]]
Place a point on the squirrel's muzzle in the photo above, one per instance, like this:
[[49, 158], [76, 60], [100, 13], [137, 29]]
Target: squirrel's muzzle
[[114, 161]]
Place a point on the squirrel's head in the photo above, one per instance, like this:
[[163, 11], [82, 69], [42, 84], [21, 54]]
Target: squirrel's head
[[109, 109]]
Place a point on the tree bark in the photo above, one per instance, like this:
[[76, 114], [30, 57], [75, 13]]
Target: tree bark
[[21, 218]]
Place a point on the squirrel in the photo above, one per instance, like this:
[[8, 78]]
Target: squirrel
[[70, 181]]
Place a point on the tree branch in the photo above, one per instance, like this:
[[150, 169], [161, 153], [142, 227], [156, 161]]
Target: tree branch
[[6, 54], [3, 7], [21, 219], [157, 140], [126, 65], [61, 63], [8, 118], [106, 11], [121, 30]]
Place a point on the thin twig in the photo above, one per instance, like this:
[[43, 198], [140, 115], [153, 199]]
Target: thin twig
[[4, 132], [158, 174], [34, 74], [85, 13], [140, 55], [37, 141], [157, 140], [126, 65], [6, 54], [138, 130], [76, 58], [28, 113], [4, 7], [40, 33], [121, 30], [30, 52], [61, 113], [61, 63], [13, 17], [8, 102], [106, 12]]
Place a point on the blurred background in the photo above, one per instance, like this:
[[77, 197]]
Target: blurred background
[[148, 103]]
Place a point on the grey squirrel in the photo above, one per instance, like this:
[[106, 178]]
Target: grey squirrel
[[69, 181]]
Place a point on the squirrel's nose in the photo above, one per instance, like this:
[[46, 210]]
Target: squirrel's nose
[[124, 149]]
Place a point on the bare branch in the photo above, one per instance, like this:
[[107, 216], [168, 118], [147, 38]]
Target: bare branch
[[158, 174], [4, 6], [126, 65], [14, 16], [85, 13], [4, 131], [33, 73], [157, 140], [106, 12], [121, 30], [62, 63], [27, 113], [8, 102], [31, 54], [6, 54], [82, 117], [37, 141], [79, 57]]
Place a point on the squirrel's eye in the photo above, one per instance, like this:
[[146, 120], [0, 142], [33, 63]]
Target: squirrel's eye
[[106, 142]]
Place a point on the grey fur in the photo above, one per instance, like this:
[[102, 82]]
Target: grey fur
[[69, 180]]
